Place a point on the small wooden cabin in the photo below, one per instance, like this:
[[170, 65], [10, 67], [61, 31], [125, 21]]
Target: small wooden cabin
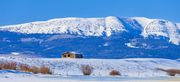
[[71, 55]]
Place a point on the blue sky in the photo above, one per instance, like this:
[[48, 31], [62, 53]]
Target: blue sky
[[22, 11]]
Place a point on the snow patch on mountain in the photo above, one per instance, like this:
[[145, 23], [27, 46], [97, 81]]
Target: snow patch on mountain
[[178, 25], [143, 21], [130, 45], [163, 28], [113, 24]]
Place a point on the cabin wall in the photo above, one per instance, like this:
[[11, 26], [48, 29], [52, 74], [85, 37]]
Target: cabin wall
[[71, 55], [68, 56]]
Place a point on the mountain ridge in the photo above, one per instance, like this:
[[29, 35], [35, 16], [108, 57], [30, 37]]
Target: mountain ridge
[[100, 26], [110, 37]]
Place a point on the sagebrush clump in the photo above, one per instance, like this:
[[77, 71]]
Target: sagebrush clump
[[25, 68], [45, 70], [115, 73], [86, 69]]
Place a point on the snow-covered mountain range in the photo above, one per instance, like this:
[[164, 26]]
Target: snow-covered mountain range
[[102, 36], [100, 26]]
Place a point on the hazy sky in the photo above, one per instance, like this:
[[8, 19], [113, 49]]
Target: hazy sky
[[22, 11]]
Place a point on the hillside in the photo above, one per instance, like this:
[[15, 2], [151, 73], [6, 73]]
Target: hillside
[[108, 37]]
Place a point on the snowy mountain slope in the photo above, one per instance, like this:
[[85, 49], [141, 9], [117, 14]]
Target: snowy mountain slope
[[80, 26], [109, 37], [163, 28], [100, 27], [178, 25], [115, 46], [136, 67]]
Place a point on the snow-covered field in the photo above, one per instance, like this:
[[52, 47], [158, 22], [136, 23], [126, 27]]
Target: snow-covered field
[[22, 77], [15, 76], [133, 67], [69, 70]]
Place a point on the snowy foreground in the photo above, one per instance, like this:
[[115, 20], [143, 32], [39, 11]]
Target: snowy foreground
[[69, 70], [85, 79]]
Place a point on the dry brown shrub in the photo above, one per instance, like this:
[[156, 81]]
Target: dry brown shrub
[[173, 72], [1, 65], [8, 66], [170, 72], [114, 73], [25, 68], [86, 69], [35, 70], [45, 70]]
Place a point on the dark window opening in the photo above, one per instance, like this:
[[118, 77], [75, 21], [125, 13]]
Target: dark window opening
[[68, 55]]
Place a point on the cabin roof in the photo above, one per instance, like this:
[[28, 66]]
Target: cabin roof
[[71, 53]]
